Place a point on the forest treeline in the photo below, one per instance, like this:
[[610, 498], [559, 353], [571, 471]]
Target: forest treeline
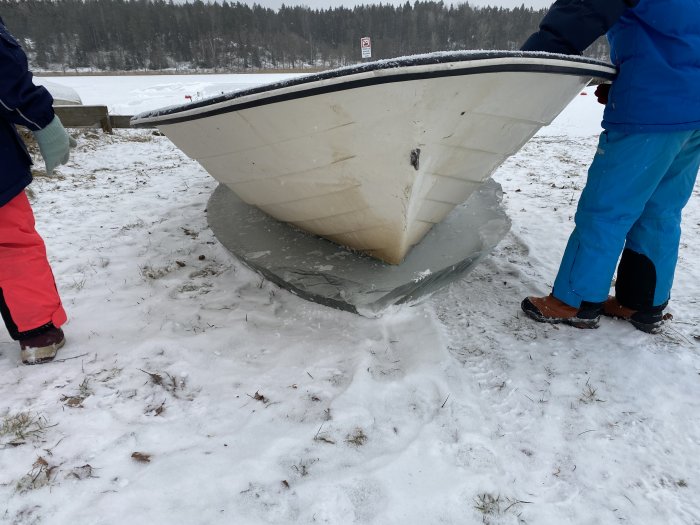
[[125, 35]]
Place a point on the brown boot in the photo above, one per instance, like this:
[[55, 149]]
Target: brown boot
[[551, 310], [649, 321], [42, 347]]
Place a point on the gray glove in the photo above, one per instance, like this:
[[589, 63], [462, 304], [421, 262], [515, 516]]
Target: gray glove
[[54, 144]]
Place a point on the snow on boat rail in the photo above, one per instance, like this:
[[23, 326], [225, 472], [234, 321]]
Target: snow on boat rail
[[399, 69]]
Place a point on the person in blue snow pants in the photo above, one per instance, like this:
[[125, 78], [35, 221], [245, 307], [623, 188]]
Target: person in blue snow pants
[[645, 167]]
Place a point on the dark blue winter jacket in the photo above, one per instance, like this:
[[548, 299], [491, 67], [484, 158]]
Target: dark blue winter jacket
[[654, 43], [21, 102]]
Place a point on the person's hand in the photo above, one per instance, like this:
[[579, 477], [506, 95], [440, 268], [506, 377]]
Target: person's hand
[[601, 92], [54, 144]]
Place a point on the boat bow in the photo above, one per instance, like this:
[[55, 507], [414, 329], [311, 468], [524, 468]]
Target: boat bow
[[372, 156]]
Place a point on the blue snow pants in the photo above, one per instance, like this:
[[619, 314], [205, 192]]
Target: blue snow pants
[[637, 187]]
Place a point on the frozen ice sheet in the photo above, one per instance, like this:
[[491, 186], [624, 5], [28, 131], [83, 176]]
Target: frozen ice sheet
[[321, 271]]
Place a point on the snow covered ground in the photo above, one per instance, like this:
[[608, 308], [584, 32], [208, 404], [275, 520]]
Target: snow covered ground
[[193, 392]]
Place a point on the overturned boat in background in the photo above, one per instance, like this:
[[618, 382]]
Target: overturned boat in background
[[62, 95], [372, 156]]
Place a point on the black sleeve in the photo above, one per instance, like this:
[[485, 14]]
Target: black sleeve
[[21, 101], [570, 26]]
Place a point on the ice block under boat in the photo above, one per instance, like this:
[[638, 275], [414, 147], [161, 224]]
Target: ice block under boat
[[372, 156]]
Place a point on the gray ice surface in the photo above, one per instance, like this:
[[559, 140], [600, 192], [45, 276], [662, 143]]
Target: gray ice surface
[[321, 271]]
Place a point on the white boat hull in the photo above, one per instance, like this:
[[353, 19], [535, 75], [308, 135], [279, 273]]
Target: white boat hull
[[372, 160]]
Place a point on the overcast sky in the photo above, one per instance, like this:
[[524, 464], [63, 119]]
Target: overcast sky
[[325, 4]]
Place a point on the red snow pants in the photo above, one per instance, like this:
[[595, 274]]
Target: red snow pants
[[28, 296]]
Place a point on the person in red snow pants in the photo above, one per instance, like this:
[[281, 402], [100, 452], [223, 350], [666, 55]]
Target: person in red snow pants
[[29, 302], [29, 296]]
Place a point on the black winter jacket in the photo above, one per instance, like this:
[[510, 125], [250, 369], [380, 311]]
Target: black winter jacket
[[21, 102]]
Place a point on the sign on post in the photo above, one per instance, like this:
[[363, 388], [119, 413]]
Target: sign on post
[[366, 47]]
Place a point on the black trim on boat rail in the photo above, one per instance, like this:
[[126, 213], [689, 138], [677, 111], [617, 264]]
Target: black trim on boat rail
[[170, 115]]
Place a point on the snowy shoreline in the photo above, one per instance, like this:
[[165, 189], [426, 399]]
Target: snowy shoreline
[[193, 391]]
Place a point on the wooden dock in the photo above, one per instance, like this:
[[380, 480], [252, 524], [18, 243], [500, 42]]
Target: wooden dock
[[80, 116]]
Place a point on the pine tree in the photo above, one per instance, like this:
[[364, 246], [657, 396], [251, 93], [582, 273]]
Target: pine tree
[[157, 34]]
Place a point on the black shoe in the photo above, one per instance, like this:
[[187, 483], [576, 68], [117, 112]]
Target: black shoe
[[42, 347]]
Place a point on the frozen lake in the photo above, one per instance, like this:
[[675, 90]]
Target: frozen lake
[[133, 94]]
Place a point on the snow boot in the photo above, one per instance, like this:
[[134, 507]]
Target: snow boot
[[649, 321], [551, 310], [42, 347]]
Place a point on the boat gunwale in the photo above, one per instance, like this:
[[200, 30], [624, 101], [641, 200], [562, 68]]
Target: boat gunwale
[[376, 73]]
